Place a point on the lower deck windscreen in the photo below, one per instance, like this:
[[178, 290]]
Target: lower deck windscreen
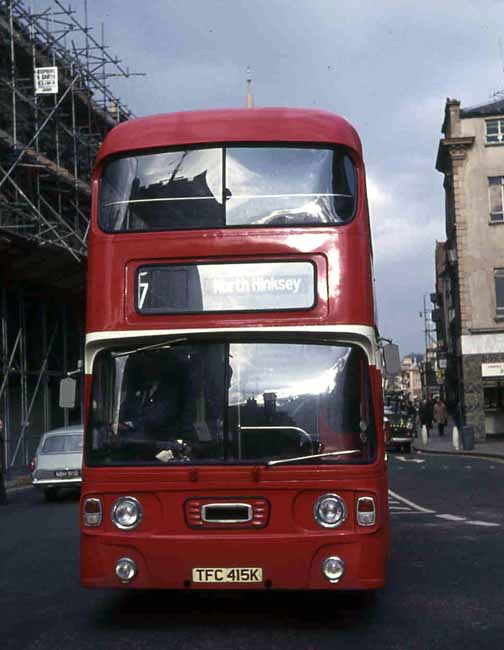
[[230, 402]]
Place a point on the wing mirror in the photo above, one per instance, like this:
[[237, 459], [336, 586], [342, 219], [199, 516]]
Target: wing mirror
[[68, 388], [391, 359], [67, 392]]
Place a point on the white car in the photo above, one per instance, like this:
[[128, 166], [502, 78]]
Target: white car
[[58, 460]]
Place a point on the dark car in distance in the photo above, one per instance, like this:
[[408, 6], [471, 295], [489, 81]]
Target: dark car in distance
[[399, 424]]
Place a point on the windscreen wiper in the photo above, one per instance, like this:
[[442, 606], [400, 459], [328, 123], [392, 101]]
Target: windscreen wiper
[[329, 453], [154, 346]]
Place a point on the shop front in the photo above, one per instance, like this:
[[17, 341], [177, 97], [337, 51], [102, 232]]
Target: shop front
[[492, 375]]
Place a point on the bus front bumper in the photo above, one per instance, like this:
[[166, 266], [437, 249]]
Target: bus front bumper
[[273, 561]]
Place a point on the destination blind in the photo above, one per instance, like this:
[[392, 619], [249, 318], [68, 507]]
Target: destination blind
[[195, 288]]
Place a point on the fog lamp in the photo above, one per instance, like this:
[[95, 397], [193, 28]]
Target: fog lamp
[[333, 568], [127, 513], [330, 511], [126, 569]]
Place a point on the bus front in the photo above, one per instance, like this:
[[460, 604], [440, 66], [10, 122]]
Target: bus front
[[233, 434]]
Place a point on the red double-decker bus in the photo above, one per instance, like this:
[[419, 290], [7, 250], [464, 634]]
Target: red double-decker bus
[[233, 389]]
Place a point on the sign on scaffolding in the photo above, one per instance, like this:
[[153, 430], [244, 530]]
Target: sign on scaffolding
[[46, 81]]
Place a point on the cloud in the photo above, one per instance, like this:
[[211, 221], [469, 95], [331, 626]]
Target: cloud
[[403, 229], [426, 113]]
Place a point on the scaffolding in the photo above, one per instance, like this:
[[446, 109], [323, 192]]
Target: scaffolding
[[49, 138]]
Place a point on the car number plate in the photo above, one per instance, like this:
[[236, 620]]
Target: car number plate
[[236, 574], [67, 473]]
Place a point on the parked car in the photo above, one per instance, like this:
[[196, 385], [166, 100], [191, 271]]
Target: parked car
[[399, 425], [58, 460]]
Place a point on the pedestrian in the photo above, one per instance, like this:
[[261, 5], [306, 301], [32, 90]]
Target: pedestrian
[[440, 415], [430, 413], [3, 492]]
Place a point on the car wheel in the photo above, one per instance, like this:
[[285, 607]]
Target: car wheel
[[51, 493]]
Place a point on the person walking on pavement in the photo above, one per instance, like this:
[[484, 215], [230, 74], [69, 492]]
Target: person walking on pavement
[[430, 413], [440, 415]]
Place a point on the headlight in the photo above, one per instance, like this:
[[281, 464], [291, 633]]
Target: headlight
[[330, 511], [127, 513]]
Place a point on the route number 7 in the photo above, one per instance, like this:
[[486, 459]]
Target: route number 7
[[143, 288]]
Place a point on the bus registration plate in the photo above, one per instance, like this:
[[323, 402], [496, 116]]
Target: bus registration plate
[[235, 574]]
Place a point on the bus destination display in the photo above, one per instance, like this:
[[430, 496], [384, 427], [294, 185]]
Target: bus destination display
[[194, 288]]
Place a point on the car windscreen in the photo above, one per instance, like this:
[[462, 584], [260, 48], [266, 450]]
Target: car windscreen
[[62, 444], [230, 402], [228, 187]]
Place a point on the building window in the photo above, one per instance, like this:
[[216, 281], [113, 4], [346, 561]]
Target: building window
[[494, 131], [495, 196], [499, 292]]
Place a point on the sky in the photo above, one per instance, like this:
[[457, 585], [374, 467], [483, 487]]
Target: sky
[[386, 66]]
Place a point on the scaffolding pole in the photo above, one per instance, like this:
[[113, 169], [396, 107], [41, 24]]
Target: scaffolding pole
[[9, 363], [26, 421]]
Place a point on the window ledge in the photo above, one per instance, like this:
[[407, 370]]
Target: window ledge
[[497, 329], [496, 223], [494, 144]]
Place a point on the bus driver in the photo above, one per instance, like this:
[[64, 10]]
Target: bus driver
[[156, 404]]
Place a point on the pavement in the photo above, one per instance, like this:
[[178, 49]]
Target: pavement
[[17, 479], [492, 446]]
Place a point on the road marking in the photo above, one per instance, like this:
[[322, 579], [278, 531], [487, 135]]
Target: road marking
[[399, 505], [472, 522], [451, 517], [407, 502], [410, 460]]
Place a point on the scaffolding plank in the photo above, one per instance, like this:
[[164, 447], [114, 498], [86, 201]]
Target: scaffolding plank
[[50, 165]]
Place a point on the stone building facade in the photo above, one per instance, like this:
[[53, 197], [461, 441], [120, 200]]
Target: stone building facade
[[411, 376], [470, 264]]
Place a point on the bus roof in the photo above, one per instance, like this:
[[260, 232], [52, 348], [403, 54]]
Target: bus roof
[[231, 125]]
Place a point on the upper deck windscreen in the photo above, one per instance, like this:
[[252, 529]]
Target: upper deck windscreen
[[228, 187]]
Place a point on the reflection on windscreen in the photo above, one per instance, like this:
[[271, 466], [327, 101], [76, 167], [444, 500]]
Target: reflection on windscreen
[[159, 191], [232, 186], [230, 402]]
